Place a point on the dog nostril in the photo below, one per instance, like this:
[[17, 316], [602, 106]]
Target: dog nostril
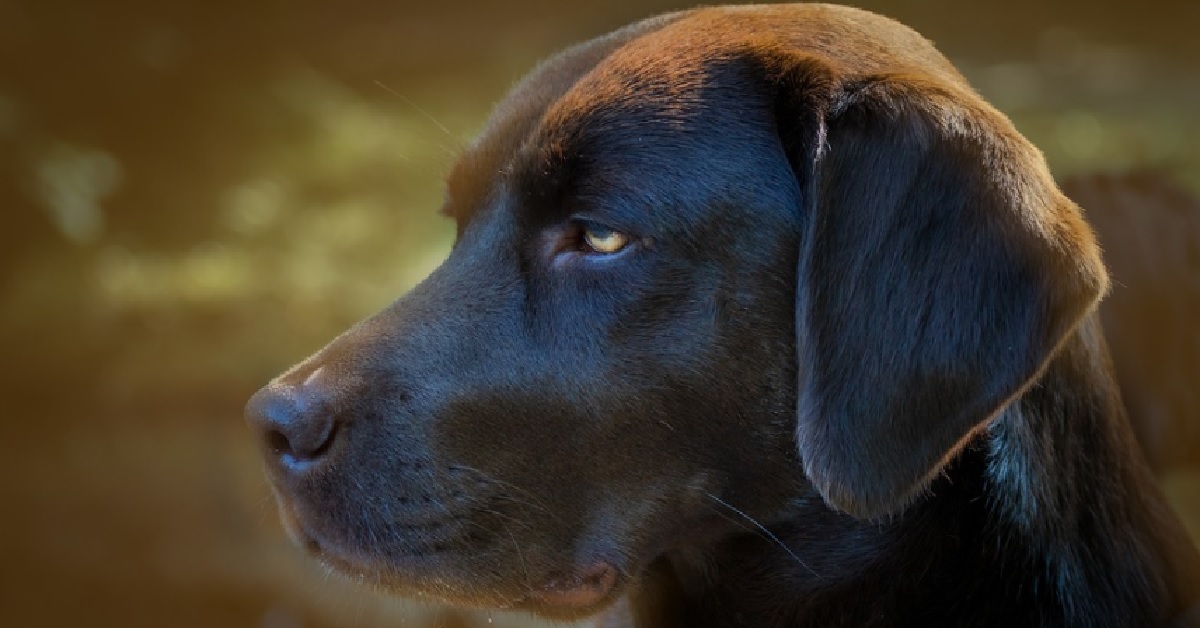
[[294, 424], [278, 443]]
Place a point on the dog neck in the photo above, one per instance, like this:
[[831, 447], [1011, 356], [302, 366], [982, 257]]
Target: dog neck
[[1049, 518]]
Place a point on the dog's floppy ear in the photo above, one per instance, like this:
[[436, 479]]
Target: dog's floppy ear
[[940, 269]]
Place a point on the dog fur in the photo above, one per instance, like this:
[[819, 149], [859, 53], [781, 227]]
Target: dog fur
[[848, 370]]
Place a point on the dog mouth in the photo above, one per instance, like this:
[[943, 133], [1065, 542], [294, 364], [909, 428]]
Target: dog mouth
[[417, 570], [430, 540], [421, 570], [579, 593]]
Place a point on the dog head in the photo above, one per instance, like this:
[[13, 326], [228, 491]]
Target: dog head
[[705, 265]]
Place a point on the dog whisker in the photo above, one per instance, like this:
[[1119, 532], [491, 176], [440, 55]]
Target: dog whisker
[[520, 555], [770, 535], [532, 501], [421, 111]]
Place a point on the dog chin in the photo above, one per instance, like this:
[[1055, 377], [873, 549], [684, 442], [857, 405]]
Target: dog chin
[[583, 591]]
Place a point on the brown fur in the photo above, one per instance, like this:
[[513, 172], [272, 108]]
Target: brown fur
[[846, 372]]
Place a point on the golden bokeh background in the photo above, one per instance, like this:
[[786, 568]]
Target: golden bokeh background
[[194, 195]]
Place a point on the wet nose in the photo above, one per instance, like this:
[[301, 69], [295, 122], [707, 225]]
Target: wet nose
[[293, 424]]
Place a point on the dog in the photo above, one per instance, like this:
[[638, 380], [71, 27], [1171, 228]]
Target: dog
[[756, 316]]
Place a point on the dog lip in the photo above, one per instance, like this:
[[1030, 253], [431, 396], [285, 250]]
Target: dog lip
[[357, 561], [582, 590], [332, 557]]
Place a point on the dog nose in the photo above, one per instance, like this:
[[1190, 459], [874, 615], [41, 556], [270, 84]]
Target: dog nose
[[293, 424]]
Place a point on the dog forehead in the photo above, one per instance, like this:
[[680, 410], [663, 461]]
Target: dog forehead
[[657, 71], [668, 67], [476, 171]]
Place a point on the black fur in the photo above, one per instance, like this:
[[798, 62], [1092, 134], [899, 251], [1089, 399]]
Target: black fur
[[846, 373]]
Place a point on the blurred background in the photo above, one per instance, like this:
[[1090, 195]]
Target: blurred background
[[194, 195]]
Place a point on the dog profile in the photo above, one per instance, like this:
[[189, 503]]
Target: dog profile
[[757, 316]]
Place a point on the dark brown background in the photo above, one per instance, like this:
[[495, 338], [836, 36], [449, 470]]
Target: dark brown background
[[194, 194]]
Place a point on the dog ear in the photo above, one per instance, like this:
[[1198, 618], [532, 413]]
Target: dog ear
[[940, 269]]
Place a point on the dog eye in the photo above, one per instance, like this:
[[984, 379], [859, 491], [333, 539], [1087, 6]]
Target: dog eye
[[604, 240]]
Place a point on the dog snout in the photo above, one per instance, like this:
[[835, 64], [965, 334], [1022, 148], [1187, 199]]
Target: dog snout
[[294, 425]]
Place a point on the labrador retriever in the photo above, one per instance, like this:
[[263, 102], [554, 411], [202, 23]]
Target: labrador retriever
[[757, 316]]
